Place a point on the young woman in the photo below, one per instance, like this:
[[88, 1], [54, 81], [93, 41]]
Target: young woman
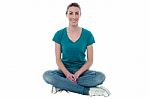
[[73, 74]]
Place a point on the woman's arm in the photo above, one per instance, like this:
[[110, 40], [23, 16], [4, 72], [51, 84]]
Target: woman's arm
[[89, 62], [58, 59], [61, 65]]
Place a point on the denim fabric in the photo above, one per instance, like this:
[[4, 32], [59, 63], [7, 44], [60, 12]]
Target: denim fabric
[[84, 82]]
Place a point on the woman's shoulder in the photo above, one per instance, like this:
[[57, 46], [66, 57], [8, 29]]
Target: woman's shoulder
[[61, 30], [86, 31], [58, 35]]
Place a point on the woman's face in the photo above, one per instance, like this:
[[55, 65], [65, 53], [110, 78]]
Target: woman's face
[[73, 15]]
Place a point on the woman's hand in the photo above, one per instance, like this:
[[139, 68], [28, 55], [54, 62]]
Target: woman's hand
[[72, 77], [76, 76]]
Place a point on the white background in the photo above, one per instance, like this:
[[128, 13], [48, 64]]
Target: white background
[[122, 49]]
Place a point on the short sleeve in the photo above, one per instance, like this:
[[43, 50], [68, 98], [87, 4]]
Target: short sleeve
[[57, 37], [90, 39]]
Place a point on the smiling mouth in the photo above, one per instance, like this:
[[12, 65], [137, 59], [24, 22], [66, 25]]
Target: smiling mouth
[[74, 21]]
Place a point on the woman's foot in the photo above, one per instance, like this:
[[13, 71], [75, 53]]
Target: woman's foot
[[99, 91], [55, 90]]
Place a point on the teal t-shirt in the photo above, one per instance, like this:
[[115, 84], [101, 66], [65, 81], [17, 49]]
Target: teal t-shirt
[[73, 53]]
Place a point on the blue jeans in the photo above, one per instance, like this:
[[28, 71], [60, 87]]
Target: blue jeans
[[84, 82]]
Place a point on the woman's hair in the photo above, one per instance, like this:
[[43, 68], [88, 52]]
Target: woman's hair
[[74, 5]]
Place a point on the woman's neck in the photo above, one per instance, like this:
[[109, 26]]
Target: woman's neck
[[73, 28]]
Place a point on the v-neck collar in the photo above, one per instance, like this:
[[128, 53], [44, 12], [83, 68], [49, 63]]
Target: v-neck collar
[[77, 39]]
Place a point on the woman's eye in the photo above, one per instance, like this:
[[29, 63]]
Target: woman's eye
[[77, 13], [70, 13]]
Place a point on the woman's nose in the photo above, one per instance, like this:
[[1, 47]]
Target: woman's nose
[[73, 16]]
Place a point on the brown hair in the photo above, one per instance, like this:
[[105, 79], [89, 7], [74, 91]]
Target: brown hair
[[74, 5]]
